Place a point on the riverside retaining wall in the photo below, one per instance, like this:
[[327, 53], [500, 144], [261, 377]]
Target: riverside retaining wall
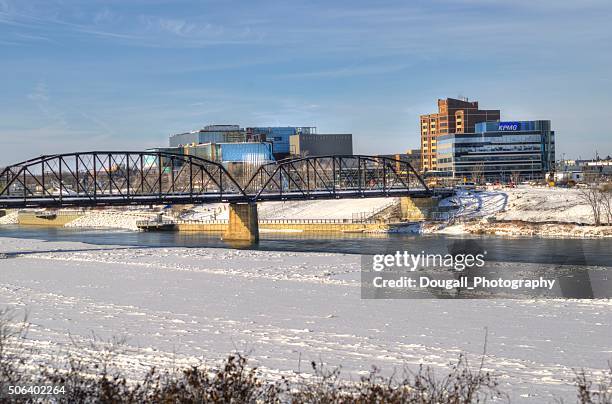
[[60, 218], [289, 225]]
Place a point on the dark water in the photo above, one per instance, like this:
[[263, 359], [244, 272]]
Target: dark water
[[527, 249]]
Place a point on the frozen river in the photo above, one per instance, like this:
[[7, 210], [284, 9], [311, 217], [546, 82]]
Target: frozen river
[[526, 249], [175, 303]]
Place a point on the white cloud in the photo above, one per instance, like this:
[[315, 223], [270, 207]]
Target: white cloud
[[39, 93]]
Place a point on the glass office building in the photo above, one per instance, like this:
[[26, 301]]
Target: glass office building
[[209, 134], [499, 151], [279, 137]]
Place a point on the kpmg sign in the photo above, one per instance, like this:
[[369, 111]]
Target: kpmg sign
[[508, 126]]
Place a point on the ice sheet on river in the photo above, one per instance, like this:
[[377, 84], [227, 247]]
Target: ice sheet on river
[[176, 305]]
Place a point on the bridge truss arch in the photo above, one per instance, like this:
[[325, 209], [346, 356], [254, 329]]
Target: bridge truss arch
[[116, 178], [335, 176]]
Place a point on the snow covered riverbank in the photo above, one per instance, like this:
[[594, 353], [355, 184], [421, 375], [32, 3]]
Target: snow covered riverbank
[[10, 218], [309, 209], [110, 219], [519, 228], [523, 211], [178, 306]]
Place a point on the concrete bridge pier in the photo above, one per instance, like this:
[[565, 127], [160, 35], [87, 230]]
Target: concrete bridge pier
[[243, 223], [417, 208]]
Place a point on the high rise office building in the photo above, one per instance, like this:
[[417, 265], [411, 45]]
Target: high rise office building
[[499, 151], [453, 116]]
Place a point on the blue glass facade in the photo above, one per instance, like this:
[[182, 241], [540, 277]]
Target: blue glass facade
[[254, 153], [499, 150], [279, 136]]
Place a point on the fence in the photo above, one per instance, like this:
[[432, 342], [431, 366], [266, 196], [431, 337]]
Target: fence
[[284, 221], [363, 217], [150, 222]]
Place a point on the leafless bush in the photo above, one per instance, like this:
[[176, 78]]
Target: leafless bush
[[588, 393], [593, 196], [515, 177], [462, 384], [478, 174], [13, 352], [606, 203]]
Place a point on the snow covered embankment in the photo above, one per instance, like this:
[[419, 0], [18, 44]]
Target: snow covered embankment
[[110, 220], [524, 211], [306, 210], [10, 218]]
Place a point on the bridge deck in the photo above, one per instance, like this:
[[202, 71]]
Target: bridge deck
[[182, 199]]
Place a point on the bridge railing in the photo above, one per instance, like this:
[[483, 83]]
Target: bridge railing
[[286, 221]]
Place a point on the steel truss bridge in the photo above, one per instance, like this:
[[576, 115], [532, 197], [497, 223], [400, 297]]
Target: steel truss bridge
[[114, 178]]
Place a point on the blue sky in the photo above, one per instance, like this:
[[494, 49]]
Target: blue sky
[[82, 75]]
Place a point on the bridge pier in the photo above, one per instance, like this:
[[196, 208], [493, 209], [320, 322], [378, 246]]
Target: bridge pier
[[243, 222], [417, 208]]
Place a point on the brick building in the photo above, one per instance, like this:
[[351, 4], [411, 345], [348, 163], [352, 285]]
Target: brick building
[[453, 116]]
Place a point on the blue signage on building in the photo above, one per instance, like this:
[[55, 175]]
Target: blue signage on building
[[508, 126]]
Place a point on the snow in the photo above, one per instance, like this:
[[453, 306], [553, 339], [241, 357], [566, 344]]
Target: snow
[[178, 306], [530, 204], [532, 211], [522, 211], [473, 205], [9, 218], [540, 204], [111, 219], [212, 211], [309, 209], [324, 209]]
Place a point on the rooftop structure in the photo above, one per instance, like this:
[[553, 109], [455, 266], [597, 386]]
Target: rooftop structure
[[209, 134], [321, 145]]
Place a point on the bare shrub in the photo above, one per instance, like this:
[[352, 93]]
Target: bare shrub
[[594, 393], [606, 202], [515, 177], [592, 196], [13, 352], [478, 176], [462, 384]]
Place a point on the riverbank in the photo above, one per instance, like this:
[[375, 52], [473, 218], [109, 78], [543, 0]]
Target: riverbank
[[517, 228], [523, 211], [324, 216]]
